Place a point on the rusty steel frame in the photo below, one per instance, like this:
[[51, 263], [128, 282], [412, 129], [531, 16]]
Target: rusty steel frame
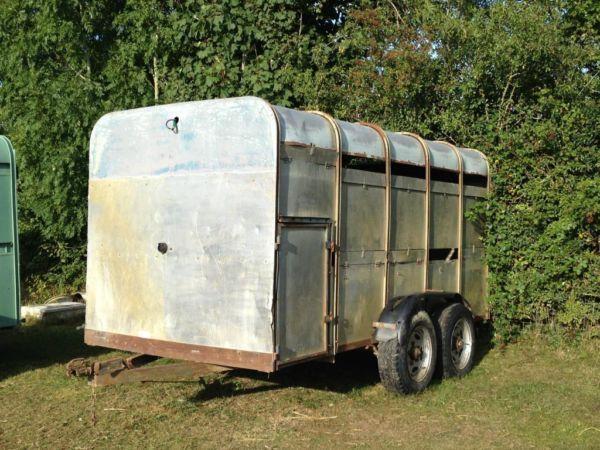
[[264, 362], [355, 345], [130, 370], [388, 204], [427, 226], [461, 218]]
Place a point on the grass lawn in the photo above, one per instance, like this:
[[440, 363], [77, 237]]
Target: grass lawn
[[529, 394]]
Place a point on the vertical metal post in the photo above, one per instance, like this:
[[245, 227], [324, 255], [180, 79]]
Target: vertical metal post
[[276, 237], [461, 215], [388, 203], [426, 154], [337, 216]]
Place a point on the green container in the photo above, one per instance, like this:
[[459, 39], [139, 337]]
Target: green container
[[9, 243]]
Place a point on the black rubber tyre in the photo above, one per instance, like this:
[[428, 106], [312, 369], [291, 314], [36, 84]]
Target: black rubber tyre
[[408, 368], [456, 341]]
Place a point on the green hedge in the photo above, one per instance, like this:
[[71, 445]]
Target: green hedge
[[517, 80]]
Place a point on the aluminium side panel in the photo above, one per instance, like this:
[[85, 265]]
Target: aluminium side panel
[[362, 254], [182, 226], [9, 241], [445, 221], [306, 182], [407, 237]]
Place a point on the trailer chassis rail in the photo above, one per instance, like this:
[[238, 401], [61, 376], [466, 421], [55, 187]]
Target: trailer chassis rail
[[132, 369]]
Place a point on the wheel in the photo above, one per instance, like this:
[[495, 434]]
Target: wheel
[[456, 341], [408, 368]]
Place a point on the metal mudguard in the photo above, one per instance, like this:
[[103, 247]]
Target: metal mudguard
[[393, 320]]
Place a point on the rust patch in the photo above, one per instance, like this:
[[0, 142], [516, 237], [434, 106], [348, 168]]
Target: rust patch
[[125, 292], [263, 362]]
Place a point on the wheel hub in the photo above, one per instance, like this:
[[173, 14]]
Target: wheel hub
[[420, 352], [462, 340], [416, 353], [459, 344]]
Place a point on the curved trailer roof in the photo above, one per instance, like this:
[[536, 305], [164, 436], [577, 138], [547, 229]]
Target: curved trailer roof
[[363, 140], [300, 127]]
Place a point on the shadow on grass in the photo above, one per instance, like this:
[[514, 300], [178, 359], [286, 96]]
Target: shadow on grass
[[36, 346], [485, 335], [33, 347], [352, 370]]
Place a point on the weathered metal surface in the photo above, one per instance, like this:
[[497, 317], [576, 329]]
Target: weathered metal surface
[[363, 178], [9, 243], [426, 230], [405, 149], [366, 343], [442, 275], [444, 219], [305, 127], [362, 261], [474, 161], [461, 220], [55, 313], [362, 224], [303, 290], [475, 192], [406, 272], [246, 235], [299, 198], [208, 193], [361, 289], [408, 213], [407, 236], [442, 156], [387, 208], [362, 253], [360, 139], [211, 355]]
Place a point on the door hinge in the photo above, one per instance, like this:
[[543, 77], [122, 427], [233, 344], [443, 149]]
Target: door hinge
[[330, 245], [330, 319]]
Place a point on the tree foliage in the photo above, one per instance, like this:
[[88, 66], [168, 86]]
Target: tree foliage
[[518, 80]]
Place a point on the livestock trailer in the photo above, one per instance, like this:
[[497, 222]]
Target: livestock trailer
[[9, 244], [245, 235]]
